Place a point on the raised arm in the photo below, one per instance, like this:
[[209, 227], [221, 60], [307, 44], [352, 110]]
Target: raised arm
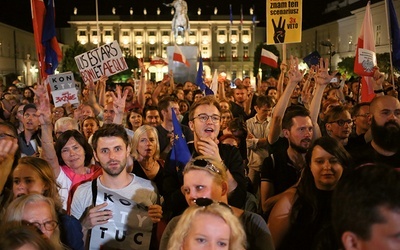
[[119, 104], [323, 79], [294, 78], [279, 86], [92, 98], [44, 112], [101, 90]]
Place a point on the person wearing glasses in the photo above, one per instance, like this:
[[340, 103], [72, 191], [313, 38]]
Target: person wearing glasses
[[210, 225], [339, 125], [35, 175], [204, 121], [361, 115], [38, 211], [207, 177]]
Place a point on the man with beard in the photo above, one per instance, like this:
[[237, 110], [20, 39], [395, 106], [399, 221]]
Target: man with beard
[[240, 107], [282, 168], [29, 139], [103, 204], [385, 129]]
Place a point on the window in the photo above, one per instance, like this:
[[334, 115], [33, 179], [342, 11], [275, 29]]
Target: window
[[107, 33], [378, 35], [204, 52], [82, 33], [152, 33], [125, 33], [234, 51], [222, 51], [152, 51], [234, 32], [350, 43], [165, 33], [139, 52], [204, 33], [246, 51], [138, 33], [221, 32], [94, 33], [245, 32]]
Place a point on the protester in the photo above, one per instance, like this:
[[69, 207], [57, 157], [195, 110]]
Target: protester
[[304, 210], [212, 225]]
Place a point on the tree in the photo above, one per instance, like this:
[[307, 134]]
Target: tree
[[132, 63], [68, 62], [267, 70]]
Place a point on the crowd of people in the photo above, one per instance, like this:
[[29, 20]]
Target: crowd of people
[[299, 162]]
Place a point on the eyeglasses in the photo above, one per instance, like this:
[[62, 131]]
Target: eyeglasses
[[205, 164], [204, 118], [5, 135], [205, 202], [342, 122], [48, 225], [58, 112]]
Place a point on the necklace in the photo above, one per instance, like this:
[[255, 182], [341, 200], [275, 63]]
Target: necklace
[[150, 168]]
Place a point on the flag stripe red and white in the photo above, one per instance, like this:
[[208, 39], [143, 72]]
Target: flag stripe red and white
[[179, 56], [366, 40], [269, 58]]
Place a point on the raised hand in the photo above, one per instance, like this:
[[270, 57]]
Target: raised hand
[[279, 31], [323, 77], [43, 109], [294, 73], [119, 100]]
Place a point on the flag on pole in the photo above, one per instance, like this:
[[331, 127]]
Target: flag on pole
[[180, 154], [395, 35], [230, 13], [200, 80], [269, 58], [241, 15], [214, 82], [47, 48], [365, 59], [179, 56]]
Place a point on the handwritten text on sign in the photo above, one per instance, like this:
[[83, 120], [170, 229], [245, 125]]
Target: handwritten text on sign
[[105, 60], [63, 89]]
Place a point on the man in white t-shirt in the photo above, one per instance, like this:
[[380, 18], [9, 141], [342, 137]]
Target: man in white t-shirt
[[118, 208]]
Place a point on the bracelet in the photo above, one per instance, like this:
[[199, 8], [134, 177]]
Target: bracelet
[[379, 91]]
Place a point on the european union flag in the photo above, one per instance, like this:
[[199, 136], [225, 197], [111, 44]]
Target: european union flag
[[395, 35], [180, 154], [200, 80], [230, 13], [312, 59]]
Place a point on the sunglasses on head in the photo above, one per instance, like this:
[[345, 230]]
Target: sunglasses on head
[[205, 202], [205, 164]]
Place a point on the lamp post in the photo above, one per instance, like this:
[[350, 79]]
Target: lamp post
[[328, 43]]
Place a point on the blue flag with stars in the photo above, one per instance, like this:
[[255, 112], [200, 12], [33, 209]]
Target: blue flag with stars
[[180, 154], [200, 80], [395, 35], [312, 59]]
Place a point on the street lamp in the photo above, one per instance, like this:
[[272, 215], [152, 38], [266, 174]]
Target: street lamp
[[328, 43]]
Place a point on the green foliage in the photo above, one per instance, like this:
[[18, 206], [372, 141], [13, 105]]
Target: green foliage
[[266, 70], [68, 62], [132, 63], [347, 64]]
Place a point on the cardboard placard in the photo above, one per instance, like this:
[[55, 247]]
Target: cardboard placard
[[63, 89]]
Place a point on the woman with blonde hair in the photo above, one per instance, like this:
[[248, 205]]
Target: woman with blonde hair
[[35, 210], [209, 224], [146, 153]]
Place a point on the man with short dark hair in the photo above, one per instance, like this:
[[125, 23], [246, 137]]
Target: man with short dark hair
[[366, 209], [118, 208], [151, 116], [166, 128], [239, 107], [29, 139]]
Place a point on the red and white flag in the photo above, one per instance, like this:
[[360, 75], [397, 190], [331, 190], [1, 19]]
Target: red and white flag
[[269, 58], [179, 56], [365, 59]]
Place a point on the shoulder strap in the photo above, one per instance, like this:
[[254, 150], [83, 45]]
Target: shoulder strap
[[273, 160], [94, 191]]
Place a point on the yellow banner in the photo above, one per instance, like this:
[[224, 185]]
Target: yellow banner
[[284, 21]]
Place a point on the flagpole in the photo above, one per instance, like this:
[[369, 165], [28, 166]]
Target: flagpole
[[97, 23], [390, 42]]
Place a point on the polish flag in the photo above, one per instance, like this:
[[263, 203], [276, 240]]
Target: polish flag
[[365, 59], [269, 58], [179, 56]]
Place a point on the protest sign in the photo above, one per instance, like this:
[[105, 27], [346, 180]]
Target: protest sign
[[63, 89], [130, 227], [284, 20], [105, 60]]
